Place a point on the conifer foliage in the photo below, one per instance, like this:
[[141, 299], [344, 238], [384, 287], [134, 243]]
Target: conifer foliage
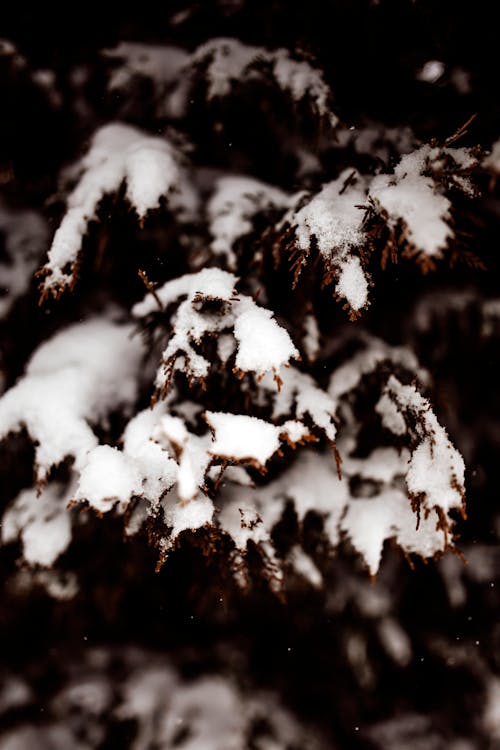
[[244, 314]]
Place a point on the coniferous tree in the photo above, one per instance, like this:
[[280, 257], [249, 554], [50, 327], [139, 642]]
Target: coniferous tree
[[249, 322]]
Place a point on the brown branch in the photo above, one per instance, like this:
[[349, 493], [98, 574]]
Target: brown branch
[[151, 287]]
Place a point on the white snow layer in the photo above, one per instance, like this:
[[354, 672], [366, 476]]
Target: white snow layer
[[163, 66], [333, 220], [436, 468], [229, 61], [234, 203], [223, 62], [42, 523], [73, 380], [108, 476], [150, 167], [262, 344], [492, 161], [312, 484], [242, 438], [26, 236], [411, 197]]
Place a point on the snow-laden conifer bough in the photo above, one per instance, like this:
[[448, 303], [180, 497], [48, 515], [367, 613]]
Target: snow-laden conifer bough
[[235, 392]]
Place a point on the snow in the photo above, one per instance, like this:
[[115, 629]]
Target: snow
[[352, 283], [175, 430], [25, 239], [211, 709], [383, 464], [192, 514], [294, 431], [193, 455], [369, 522], [312, 338], [305, 567], [33, 736], [235, 201], [241, 520], [312, 484], [431, 71], [301, 396], [157, 469], [395, 641], [107, 477], [226, 346], [411, 197], [348, 376], [492, 161], [151, 171], [333, 220], [142, 469], [241, 438], [222, 62], [262, 344], [228, 61], [193, 465], [73, 380], [161, 64], [42, 523], [435, 469], [149, 165], [302, 81], [166, 709], [432, 465], [391, 417], [332, 216], [211, 283]]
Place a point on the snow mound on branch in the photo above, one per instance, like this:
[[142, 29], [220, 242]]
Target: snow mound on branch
[[412, 197], [352, 284], [25, 239], [234, 203], [436, 469], [42, 523], [228, 61], [370, 522], [193, 455], [345, 220], [234, 438], [163, 65], [312, 484], [348, 376], [223, 63], [73, 380], [261, 343], [142, 469], [108, 476], [147, 470], [367, 504], [301, 397], [151, 168], [333, 221], [243, 438]]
